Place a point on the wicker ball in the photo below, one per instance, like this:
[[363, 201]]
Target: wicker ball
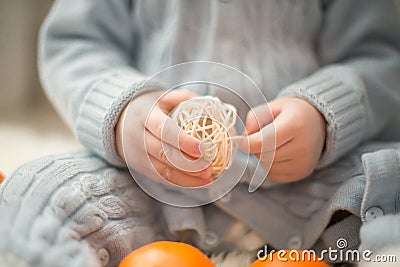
[[212, 121]]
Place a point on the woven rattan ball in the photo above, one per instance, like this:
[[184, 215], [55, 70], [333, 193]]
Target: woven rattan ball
[[212, 121]]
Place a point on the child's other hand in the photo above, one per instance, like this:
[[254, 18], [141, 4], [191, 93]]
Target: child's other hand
[[151, 143], [300, 137]]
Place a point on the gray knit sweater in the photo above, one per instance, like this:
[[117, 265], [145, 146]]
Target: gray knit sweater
[[341, 56]]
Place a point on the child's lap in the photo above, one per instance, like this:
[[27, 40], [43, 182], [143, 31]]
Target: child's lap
[[81, 197]]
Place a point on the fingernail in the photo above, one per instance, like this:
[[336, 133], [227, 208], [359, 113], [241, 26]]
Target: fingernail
[[208, 150], [198, 150], [202, 147]]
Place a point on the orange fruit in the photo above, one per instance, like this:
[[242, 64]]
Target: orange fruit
[[290, 258], [166, 254], [2, 177]]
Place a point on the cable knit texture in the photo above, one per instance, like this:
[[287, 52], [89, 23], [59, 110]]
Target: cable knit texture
[[76, 210], [72, 210]]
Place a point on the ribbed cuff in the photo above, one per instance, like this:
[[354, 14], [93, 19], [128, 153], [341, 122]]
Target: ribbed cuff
[[102, 107], [340, 102]]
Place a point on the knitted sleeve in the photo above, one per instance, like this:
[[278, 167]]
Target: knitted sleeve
[[85, 68], [357, 90]]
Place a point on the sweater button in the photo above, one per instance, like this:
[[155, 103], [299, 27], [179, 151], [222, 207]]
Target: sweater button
[[104, 256], [373, 213], [210, 238], [294, 242]]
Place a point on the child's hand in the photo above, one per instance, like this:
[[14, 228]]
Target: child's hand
[[153, 143], [300, 137]]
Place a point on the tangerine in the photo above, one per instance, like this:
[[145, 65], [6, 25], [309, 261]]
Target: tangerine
[[166, 254], [290, 258], [2, 177]]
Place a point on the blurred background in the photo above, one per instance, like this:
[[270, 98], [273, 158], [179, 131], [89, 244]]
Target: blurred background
[[29, 126]]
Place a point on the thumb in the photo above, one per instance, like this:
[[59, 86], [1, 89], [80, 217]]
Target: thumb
[[261, 116]]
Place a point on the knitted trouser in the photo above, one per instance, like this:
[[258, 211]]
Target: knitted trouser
[[72, 210]]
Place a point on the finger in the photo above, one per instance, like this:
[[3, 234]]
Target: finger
[[266, 160], [165, 129], [258, 142], [271, 136], [281, 172], [291, 170], [292, 149], [169, 154], [172, 98], [260, 116], [175, 176]]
